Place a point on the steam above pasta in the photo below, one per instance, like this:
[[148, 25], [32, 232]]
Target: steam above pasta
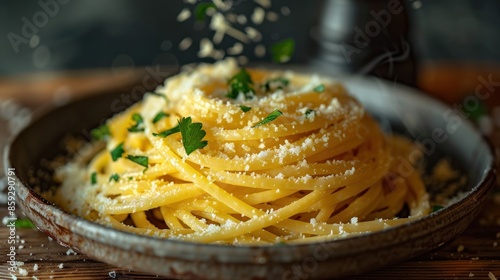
[[246, 157]]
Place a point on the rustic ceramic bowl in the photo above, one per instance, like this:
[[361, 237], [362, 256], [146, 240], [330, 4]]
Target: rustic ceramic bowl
[[395, 105]]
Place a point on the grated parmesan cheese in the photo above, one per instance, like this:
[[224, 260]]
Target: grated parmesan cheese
[[258, 15], [254, 35], [22, 271], [272, 16], [224, 21], [185, 44], [264, 3], [70, 251], [184, 15], [285, 11]]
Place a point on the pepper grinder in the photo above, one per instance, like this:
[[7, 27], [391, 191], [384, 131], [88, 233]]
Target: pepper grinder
[[365, 37]]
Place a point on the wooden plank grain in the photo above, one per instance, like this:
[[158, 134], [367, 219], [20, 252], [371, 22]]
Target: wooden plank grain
[[436, 270], [44, 258]]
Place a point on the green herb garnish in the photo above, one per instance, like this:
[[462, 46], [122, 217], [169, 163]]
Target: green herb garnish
[[282, 51], [192, 135], [271, 117], [114, 177], [93, 178], [475, 112], [276, 83], [168, 132], [241, 83], [245, 108], [160, 116], [319, 88], [138, 126], [24, 223], [100, 132], [436, 208], [141, 160], [201, 10], [309, 113], [117, 152]]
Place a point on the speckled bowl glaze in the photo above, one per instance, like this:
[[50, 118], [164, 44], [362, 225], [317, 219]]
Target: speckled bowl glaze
[[392, 104]]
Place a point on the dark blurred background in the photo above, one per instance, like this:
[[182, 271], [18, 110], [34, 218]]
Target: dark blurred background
[[86, 34], [102, 34], [52, 50]]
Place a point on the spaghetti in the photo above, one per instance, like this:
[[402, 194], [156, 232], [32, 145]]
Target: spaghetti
[[247, 157]]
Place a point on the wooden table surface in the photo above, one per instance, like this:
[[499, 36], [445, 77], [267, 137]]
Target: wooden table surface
[[475, 254]]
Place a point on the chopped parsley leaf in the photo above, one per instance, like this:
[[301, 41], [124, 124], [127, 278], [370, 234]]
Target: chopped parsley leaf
[[24, 223], [242, 83], [245, 108], [475, 112], [100, 132], [282, 51], [93, 178], [271, 117], [114, 177], [160, 116], [319, 88], [201, 10], [192, 135], [137, 118], [436, 208], [276, 83], [309, 113], [168, 132], [117, 152], [138, 126], [141, 160]]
